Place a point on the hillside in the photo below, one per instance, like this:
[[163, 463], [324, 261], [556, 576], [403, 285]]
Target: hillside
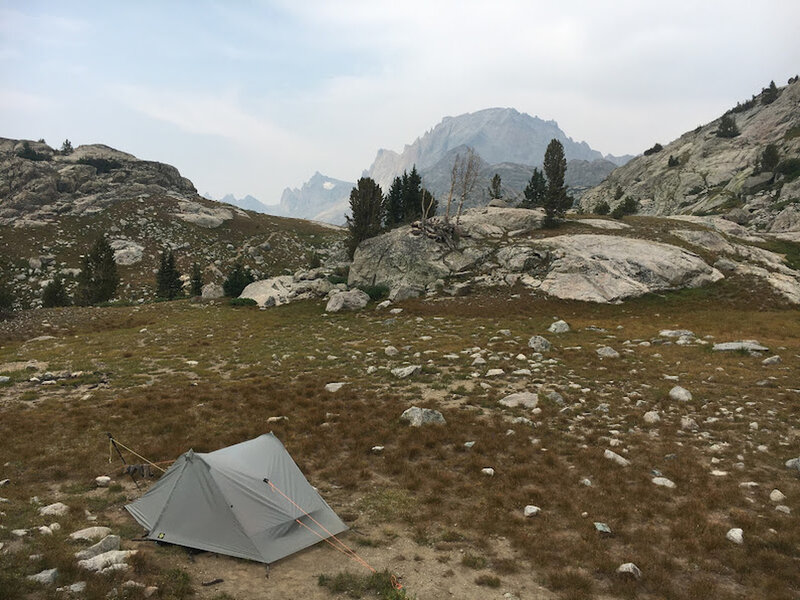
[[703, 173], [53, 206]]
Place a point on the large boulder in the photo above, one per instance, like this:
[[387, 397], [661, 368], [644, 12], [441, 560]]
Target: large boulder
[[605, 268], [350, 300]]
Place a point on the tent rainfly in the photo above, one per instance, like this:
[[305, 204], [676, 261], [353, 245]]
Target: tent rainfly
[[219, 502]]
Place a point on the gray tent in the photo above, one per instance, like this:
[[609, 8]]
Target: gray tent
[[218, 501]]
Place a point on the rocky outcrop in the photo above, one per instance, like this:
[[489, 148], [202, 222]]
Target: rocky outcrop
[[495, 249], [303, 285], [702, 173]]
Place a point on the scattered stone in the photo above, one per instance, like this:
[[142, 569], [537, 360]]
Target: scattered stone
[[45, 530], [90, 533], [783, 508], [527, 400], [479, 361], [57, 509], [602, 527], [103, 481], [689, 423], [391, 351], [333, 387], [651, 417], [675, 333], [19, 532], [555, 397], [46, 577], [772, 360], [416, 417], [488, 471], [150, 591], [607, 352], [494, 372], [469, 444], [277, 419], [539, 344], [531, 510], [735, 535], [793, 463], [106, 560], [630, 569], [663, 482], [403, 372], [376, 449], [559, 327], [744, 345], [76, 588], [4, 482], [110, 542], [680, 394], [613, 456], [4, 378], [776, 496]]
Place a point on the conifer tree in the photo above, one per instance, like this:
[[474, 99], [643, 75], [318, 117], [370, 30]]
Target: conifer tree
[[535, 190], [412, 196], [98, 279], [727, 127], [55, 294], [197, 280], [237, 280], [556, 201], [366, 208], [496, 187], [393, 204], [168, 278]]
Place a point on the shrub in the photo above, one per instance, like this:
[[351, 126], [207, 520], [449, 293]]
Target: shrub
[[488, 580], [789, 168], [176, 583], [196, 280], [66, 147], [656, 148], [102, 165], [29, 153], [673, 162], [380, 584], [769, 94], [629, 206], [334, 279], [242, 302], [314, 261], [375, 292], [601, 208]]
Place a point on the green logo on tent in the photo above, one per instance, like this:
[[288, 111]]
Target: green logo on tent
[[161, 536]]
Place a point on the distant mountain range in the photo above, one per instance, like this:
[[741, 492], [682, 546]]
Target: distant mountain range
[[507, 142]]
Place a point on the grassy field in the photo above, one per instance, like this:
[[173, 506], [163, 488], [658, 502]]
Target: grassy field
[[172, 376]]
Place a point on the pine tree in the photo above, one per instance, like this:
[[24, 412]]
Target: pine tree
[[535, 190], [197, 280], [168, 278], [556, 201], [393, 204], [412, 196], [55, 294], [770, 94], [98, 279], [770, 158], [66, 147], [366, 208], [6, 299], [237, 280], [495, 187], [727, 127]]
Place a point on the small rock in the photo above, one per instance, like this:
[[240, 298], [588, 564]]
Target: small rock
[[602, 527], [555, 397], [651, 417], [680, 394], [391, 351], [45, 530], [103, 481], [630, 569], [689, 423], [277, 419], [772, 360], [469, 444], [76, 588], [735, 535], [90, 533], [46, 577], [494, 372], [613, 456], [527, 400], [531, 510], [149, 591], [110, 542], [403, 372], [607, 352], [793, 463], [57, 509], [416, 417], [4, 378], [114, 559], [663, 482], [488, 471], [19, 532], [333, 387], [376, 449], [559, 327], [776, 496], [539, 344], [783, 508], [675, 333], [744, 345], [4, 482], [350, 300]]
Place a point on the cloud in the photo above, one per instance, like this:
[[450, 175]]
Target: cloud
[[16, 100]]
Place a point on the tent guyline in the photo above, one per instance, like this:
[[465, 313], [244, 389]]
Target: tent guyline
[[113, 443]]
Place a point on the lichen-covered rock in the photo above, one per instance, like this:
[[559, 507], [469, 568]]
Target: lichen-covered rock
[[417, 417], [350, 300]]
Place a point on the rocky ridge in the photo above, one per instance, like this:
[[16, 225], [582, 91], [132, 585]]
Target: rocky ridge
[[702, 173]]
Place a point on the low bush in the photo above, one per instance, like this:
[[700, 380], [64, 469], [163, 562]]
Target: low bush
[[375, 292], [102, 165], [656, 148], [789, 168], [243, 302], [602, 208]]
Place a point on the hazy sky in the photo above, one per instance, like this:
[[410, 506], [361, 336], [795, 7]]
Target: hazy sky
[[252, 97]]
